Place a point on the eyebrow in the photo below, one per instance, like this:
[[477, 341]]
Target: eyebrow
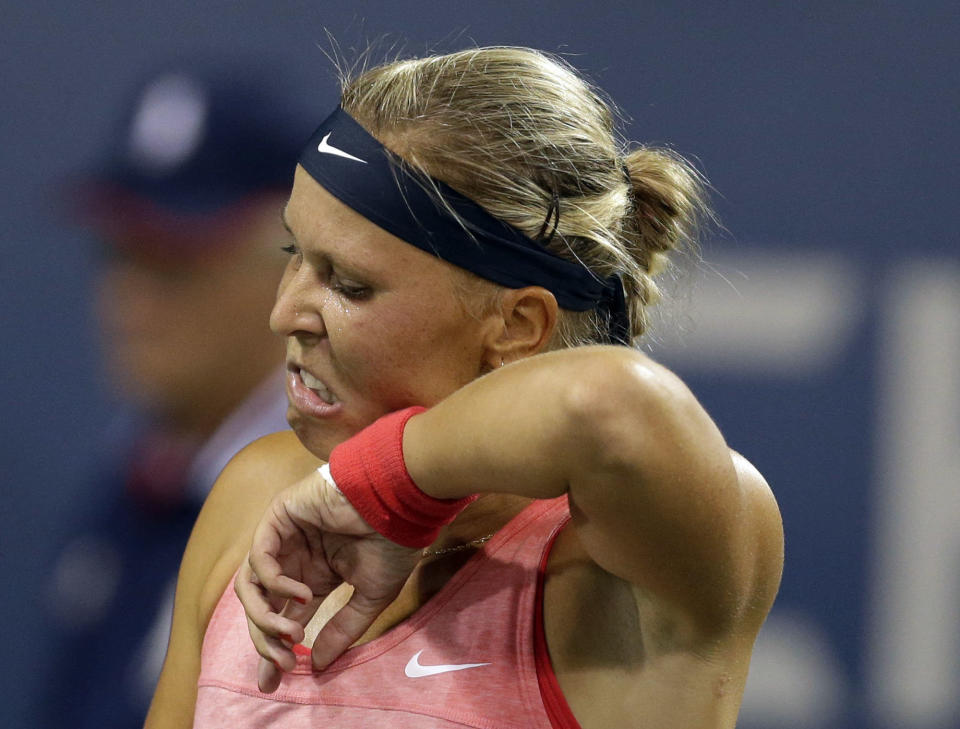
[[283, 220], [351, 270]]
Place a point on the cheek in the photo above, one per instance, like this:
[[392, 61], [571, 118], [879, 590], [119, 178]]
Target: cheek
[[443, 356], [393, 361], [381, 350]]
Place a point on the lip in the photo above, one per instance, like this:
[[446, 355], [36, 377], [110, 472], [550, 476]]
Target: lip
[[306, 401]]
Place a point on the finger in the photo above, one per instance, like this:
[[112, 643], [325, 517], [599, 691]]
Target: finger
[[269, 676], [268, 571], [276, 653], [276, 657], [276, 535], [266, 617], [301, 615], [346, 627], [276, 603], [250, 592]]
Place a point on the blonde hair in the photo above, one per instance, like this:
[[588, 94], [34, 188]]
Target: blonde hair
[[524, 136]]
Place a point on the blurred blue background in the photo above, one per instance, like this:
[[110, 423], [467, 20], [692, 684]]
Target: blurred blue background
[[822, 333]]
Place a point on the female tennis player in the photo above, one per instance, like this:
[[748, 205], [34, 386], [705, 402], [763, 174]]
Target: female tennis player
[[492, 511]]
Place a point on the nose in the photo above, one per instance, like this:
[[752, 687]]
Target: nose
[[298, 310]]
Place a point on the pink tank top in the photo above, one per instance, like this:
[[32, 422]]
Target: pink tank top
[[469, 657]]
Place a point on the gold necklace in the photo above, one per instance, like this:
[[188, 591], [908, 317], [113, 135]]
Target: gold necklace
[[458, 547]]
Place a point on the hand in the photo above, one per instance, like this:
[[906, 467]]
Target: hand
[[309, 542]]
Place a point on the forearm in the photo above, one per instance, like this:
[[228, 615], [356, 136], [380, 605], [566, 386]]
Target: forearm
[[518, 430]]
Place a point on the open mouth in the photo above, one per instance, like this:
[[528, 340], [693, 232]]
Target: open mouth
[[317, 387]]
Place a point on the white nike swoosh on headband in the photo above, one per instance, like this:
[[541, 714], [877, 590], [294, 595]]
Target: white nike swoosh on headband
[[329, 149], [415, 670]]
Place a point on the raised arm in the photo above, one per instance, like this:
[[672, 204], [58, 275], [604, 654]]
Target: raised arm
[[656, 495]]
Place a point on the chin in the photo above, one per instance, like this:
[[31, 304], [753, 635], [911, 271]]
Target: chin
[[318, 439]]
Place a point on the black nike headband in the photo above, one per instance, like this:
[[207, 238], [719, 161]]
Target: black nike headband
[[360, 172]]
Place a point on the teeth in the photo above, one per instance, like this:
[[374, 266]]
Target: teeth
[[318, 387]]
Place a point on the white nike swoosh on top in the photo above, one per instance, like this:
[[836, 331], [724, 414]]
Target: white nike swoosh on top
[[330, 149], [415, 670]]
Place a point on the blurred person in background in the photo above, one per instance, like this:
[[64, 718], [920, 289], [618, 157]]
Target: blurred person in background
[[187, 211]]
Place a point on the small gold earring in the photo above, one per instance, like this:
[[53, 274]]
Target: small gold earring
[[501, 361]]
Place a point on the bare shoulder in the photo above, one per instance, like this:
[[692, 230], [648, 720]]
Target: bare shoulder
[[218, 543], [765, 532], [237, 501], [257, 472]]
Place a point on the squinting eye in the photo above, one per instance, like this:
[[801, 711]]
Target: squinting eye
[[289, 248], [351, 291]]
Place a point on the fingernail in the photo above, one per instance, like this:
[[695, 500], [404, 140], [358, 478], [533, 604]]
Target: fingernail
[[287, 638], [279, 667], [300, 600]]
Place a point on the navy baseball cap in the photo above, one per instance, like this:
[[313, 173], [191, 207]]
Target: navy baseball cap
[[194, 141]]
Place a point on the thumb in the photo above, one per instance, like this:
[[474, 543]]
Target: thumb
[[346, 627]]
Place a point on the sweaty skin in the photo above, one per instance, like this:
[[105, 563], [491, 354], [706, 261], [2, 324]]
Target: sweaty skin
[[655, 590]]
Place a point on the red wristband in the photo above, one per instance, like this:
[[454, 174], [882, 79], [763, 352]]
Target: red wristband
[[369, 470]]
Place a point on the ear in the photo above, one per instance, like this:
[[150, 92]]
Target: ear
[[529, 318]]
